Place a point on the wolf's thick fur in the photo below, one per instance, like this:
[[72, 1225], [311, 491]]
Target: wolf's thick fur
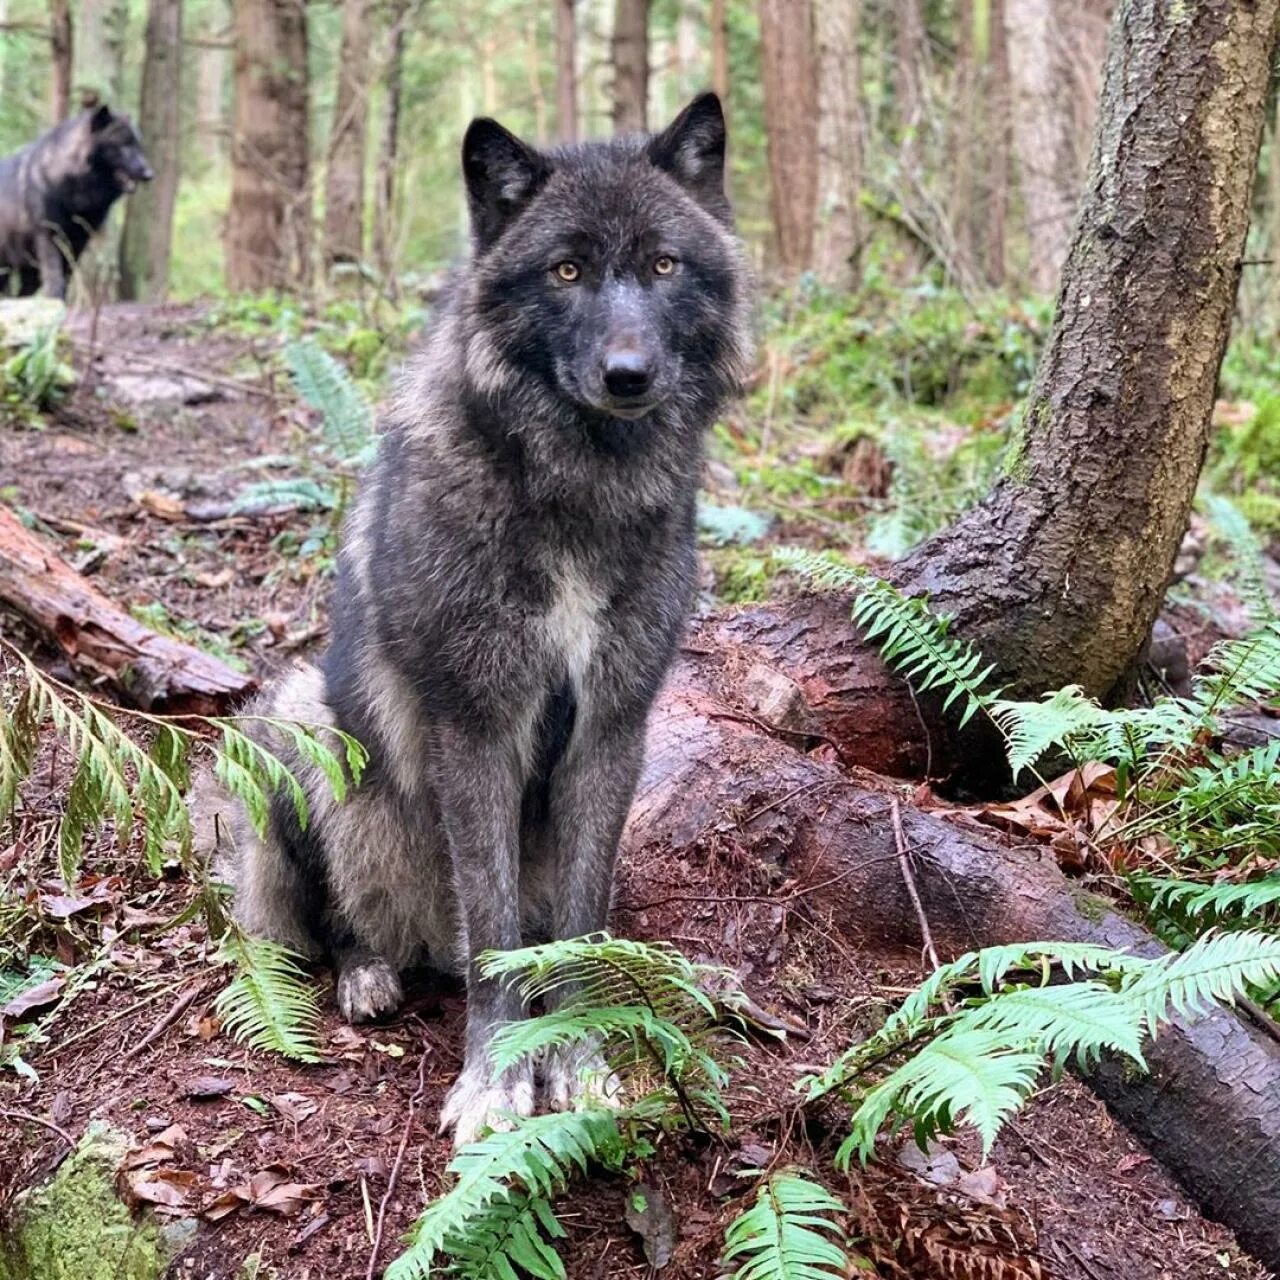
[[57, 191], [514, 579]]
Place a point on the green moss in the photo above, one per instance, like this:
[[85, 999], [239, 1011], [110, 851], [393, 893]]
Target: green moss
[[76, 1227], [741, 578], [1262, 511]]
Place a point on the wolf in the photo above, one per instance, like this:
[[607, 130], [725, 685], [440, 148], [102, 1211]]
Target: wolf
[[57, 191], [514, 577]]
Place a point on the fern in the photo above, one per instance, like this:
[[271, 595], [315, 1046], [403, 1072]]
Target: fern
[[499, 1203], [1244, 899], [787, 1233], [301, 493], [1247, 557], [347, 417], [270, 1004]]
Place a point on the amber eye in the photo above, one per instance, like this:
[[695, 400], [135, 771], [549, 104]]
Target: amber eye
[[569, 272], [664, 264]]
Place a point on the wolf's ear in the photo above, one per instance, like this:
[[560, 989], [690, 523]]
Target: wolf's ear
[[503, 174], [691, 149], [100, 118]]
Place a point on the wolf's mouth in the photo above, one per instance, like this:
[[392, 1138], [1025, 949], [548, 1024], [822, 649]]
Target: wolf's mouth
[[631, 412]]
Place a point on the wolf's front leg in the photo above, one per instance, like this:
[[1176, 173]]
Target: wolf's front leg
[[590, 799], [53, 266], [479, 784]]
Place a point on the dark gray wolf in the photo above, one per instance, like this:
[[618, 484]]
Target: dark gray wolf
[[514, 578], [57, 191]]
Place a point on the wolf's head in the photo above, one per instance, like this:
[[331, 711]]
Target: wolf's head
[[609, 270], [115, 149]]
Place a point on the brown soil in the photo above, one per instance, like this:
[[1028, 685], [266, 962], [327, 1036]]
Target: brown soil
[[1067, 1191]]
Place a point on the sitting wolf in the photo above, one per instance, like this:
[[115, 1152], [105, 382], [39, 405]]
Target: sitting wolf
[[57, 191], [513, 582]]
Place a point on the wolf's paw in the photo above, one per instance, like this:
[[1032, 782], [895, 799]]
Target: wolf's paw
[[578, 1076], [368, 989], [478, 1101]]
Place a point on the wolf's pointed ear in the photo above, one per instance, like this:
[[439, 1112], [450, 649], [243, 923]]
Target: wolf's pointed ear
[[503, 174], [691, 149], [100, 118]]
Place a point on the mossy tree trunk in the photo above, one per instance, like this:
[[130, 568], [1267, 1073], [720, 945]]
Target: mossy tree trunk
[[1059, 573]]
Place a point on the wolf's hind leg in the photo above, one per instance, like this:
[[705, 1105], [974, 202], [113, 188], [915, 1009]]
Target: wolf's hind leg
[[368, 984]]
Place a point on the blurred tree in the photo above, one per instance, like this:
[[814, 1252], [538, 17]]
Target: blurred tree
[[720, 51], [344, 176], [993, 210], [148, 223], [630, 65], [213, 61], [566, 71], [389, 148], [61, 46], [910, 70], [838, 236], [99, 48], [268, 236], [789, 75]]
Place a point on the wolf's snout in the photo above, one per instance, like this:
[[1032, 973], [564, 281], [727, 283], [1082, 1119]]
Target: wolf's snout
[[628, 373], [146, 173]]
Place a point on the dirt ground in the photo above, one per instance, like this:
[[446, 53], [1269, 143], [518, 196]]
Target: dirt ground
[[1066, 1194]]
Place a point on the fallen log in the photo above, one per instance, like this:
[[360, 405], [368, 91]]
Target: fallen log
[[156, 672], [1210, 1108]]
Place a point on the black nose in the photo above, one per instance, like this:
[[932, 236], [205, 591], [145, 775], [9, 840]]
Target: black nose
[[627, 373]]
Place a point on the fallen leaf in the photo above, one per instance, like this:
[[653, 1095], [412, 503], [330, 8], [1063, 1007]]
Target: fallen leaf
[[208, 1087], [170, 1188], [985, 1186], [293, 1106], [37, 997], [650, 1216]]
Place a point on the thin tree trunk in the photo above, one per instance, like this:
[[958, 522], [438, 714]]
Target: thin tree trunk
[[62, 55], [720, 51], [268, 239], [1059, 573], [344, 180], [630, 65], [966, 123], [788, 73], [148, 223], [993, 217], [212, 64], [533, 70], [98, 47], [908, 72], [384, 196], [567, 70], [838, 236]]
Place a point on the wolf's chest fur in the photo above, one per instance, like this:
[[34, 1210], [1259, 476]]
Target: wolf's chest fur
[[573, 624]]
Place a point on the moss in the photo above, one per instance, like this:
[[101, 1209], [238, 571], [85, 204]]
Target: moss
[[1262, 511], [77, 1228], [1092, 907], [741, 578]]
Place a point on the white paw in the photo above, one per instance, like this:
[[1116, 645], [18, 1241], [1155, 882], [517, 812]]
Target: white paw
[[368, 990], [578, 1076], [477, 1101]]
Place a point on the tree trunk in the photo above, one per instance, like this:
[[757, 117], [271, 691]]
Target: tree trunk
[[148, 223], [566, 70], [967, 119], [388, 151], [789, 76], [98, 48], [344, 181], [533, 69], [1059, 573], [993, 213], [268, 241], [62, 55], [910, 57], [838, 238], [630, 65], [212, 64], [720, 52]]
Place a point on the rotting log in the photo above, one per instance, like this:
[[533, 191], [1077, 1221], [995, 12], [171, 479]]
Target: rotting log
[[156, 672], [1210, 1108]]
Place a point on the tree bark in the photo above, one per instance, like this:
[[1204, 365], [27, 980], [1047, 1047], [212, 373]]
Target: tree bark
[[148, 223], [388, 151], [566, 70], [838, 238], [967, 117], [268, 239], [212, 64], [630, 66], [910, 57], [720, 52], [344, 181], [993, 213], [789, 76], [1059, 573], [98, 47], [62, 55], [156, 672]]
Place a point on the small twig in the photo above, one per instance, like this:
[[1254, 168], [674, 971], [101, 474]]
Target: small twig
[[394, 1175], [176, 1010], [44, 1124], [904, 861]]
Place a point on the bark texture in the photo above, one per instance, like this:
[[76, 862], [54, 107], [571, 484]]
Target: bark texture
[[99, 44], [62, 54], [910, 56], [630, 66], [567, 70], [838, 237], [1059, 573], [789, 76], [213, 62], [268, 239], [154, 671], [720, 51], [993, 210], [148, 222], [384, 203], [344, 179]]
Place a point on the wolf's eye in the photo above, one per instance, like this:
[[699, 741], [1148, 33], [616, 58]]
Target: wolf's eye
[[569, 272], [664, 264]]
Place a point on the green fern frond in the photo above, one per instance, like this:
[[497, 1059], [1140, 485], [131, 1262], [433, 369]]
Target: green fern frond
[[1247, 556], [299, 493], [271, 1003], [19, 738], [1057, 720], [346, 414], [513, 1234], [503, 1176], [1239, 672], [1244, 898], [786, 1234]]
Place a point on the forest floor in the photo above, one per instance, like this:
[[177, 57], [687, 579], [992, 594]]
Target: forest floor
[[133, 474]]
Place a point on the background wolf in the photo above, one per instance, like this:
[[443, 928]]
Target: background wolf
[[56, 192], [513, 581]]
